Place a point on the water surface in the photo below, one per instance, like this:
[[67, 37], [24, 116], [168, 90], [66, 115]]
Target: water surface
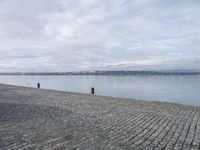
[[183, 89]]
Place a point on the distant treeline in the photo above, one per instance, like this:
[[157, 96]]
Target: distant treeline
[[107, 73]]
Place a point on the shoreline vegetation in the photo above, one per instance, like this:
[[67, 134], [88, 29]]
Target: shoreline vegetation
[[110, 73]]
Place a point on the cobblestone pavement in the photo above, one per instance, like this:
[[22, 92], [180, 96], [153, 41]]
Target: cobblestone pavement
[[46, 119]]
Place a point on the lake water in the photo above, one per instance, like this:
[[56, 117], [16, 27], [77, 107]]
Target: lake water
[[177, 88]]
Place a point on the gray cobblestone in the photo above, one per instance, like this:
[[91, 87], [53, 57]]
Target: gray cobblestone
[[46, 119]]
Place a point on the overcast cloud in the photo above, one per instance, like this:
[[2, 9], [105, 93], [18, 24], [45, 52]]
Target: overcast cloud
[[71, 35]]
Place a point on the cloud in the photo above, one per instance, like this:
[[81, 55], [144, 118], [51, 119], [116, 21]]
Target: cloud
[[59, 35]]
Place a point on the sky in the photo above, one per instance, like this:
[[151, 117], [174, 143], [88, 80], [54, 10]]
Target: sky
[[74, 35]]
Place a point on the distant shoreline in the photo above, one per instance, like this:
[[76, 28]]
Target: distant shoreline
[[106, 73]]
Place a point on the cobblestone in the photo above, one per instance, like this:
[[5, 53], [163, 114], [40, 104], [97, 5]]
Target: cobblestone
[[47, 119]]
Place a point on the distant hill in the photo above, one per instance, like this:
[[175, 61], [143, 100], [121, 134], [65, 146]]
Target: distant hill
[[110, 73]]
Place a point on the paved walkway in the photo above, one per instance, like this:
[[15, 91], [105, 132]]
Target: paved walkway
[[45, 119]]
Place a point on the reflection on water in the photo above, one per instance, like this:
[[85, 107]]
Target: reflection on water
[[180, 89]]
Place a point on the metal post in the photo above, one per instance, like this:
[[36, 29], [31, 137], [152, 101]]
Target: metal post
[[38, 85], [92, 90]]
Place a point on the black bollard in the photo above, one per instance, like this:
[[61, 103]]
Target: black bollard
[[92, 90], [38, 85]]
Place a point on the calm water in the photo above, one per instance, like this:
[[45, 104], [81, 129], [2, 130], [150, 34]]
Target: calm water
[[180, 89]]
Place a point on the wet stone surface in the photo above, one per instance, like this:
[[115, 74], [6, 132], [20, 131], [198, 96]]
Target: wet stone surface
[[46, 119]]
